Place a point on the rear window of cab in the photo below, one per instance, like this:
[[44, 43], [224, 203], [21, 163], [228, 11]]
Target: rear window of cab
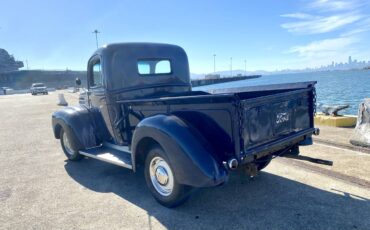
[[150, 67]]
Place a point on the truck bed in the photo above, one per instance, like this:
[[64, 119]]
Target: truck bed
[[241, 122]]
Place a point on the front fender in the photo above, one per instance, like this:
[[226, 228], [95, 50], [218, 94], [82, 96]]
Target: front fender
[[78, 123], [187, 151]]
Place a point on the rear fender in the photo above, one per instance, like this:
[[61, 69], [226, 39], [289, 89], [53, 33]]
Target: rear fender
[[187, 152]]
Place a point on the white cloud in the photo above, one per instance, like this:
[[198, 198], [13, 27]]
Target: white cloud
[[320, 24], [360, 27], [298, 16], [347, 18], [335, 5], [325, 48]]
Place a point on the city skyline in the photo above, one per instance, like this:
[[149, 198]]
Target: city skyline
[[349, 65]]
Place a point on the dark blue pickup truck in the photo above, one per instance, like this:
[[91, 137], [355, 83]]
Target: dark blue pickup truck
[[142, 113]]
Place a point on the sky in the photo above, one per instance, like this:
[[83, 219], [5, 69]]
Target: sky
[[269, 34]]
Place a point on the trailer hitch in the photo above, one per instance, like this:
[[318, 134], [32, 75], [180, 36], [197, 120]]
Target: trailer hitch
[[310, 159]]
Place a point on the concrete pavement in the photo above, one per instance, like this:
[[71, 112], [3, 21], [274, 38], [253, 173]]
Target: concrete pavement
[[39, 189]]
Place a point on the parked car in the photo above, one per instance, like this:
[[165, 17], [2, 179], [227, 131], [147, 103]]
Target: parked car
[[141, 112], [38, 88], [6, 90]]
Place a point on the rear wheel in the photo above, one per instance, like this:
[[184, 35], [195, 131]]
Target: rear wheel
[[161, 180], [71, 153]]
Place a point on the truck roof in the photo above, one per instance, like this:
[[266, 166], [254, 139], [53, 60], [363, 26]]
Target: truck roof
[[120, 63], [138, 45]]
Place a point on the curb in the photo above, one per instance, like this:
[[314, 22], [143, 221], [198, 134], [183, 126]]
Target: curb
[[343, 146]]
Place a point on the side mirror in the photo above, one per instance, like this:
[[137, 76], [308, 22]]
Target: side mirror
[[78, 81]]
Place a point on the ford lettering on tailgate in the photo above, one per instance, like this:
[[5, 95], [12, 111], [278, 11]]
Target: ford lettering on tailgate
[[282, 117]]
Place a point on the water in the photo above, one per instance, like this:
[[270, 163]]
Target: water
[[336, 87]]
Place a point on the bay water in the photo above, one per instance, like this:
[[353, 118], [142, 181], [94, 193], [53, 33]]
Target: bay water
[[333, 87]]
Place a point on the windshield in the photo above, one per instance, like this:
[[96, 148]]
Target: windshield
[[38, 85]]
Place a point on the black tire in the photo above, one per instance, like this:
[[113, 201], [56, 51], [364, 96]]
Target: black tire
[[179, 194], [70, 153], [263, 162]]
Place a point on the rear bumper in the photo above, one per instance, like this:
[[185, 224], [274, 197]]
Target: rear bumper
[[274, 146]]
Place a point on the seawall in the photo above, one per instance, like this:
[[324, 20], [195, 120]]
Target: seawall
[[23, 79], [201, 82], [20, 80]]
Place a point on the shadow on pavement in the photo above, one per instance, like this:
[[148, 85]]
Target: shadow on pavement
[[267, 202]]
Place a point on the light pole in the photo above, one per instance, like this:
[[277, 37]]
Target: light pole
[[231, 66], [214, 63], [96, 32], [245, 66]]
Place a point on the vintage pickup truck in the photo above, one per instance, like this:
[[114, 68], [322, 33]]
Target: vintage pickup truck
[[142, 113]]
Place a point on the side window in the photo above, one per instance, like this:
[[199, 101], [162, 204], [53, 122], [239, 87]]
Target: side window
[[96, 76]]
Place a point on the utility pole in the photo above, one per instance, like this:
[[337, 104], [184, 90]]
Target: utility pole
[[245, 66], [96, 32], [231, 66], [214, 63]]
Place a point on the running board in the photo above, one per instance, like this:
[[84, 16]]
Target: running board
[[109, 155]]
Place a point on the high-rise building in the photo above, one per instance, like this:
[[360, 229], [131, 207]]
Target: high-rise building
[[349, 60]]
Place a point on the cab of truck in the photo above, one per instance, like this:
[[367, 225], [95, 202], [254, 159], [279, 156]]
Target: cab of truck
[[139, 69], [132, 71]]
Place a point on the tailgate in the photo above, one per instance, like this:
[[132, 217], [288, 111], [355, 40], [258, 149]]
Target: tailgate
[[274, 117]]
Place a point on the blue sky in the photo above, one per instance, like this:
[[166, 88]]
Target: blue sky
[[269, 34]]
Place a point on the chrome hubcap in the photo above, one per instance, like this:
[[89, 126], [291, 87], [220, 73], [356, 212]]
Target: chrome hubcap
[[161, 176], [67, 145]]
